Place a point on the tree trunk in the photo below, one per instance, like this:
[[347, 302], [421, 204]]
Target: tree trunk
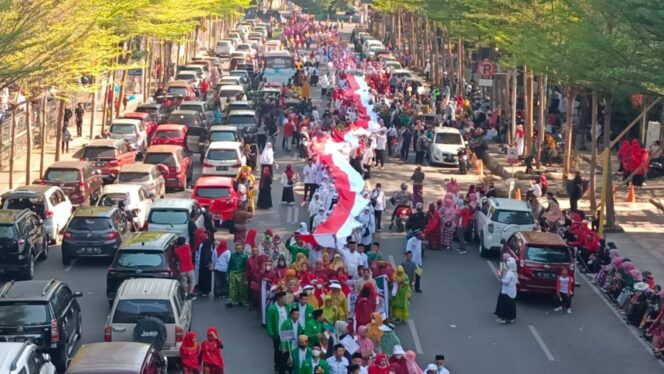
[[104, 114], [122, 93], [610, 212], [28, 142], [512, 132], [460, 67], [12, 145], [541, 91], [93, 111], [569, 130], [593, 154], [42, 135], [529, 109], [111, 103], [58, 130]]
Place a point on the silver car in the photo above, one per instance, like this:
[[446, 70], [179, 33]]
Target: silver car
[[151, 177]]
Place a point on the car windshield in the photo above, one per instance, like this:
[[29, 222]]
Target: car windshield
[[154, 158], [512, 217], [139, 259], [181, 119], [278, 62], [213, 192], [146, 110], [222, 136], [90, 224], [129, 311], [133, 176], [177, 91], [448, 138], [168, 216], [242, 47], [112, 199], [221, 154], [548, 255], [22, 314], [62, 175], [123, 129], [195, 108], [168, 134], [7, 231], [186, 76], [35, 204], [230, 93], [93, 153], [242, 120]]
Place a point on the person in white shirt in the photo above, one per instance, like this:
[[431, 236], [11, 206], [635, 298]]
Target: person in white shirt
[[439, 366], [378, 201], [338, 363], [352, 258], [535, 189], [381, 143], [414, 245], [220, 259], [309, 173]]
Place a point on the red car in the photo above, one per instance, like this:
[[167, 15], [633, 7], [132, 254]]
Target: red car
[[218, 195], [179, 162], [540, 258], [149, 124], [108, 155], [170, 134], [182, 89]]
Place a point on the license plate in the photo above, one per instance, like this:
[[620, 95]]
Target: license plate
[[222, 168], [100, 163], [19, 339], [89, 250], [545, 275]]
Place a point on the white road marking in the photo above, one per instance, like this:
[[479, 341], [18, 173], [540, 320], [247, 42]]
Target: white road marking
[[615, 312], [391, 258], [416, 337], [68, 268], [289, 215], [494, 271], [296, 214], [541, 343]]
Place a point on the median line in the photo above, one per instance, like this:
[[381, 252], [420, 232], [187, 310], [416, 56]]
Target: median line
[[416, 337], [541, 343]]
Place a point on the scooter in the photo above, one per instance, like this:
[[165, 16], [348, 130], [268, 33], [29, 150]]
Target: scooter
[[462, 156], [403, 213]]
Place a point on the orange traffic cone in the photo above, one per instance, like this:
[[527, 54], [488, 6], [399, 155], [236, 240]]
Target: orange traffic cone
[[631, 195], [517, 194], [480, 168]]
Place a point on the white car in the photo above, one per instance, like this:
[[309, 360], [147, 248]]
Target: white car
[[224, 48], [445, 145], [131, 130], [49, 202], [173, 215], [24, 358], [247, 48], [135, 197], [497, 219], [223, 158]]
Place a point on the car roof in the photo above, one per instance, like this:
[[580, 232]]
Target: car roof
[[10, 215], [146, 288], [230, 77], [242, 112], [241, 102], [121, 187], [171, 126], [109, 358], [208, 181], [148, 240], [94, 211], [224, 145], [543, 238], [447, 130], [115, 143], [41, 189], [184, 112], [174, 202], [135, 114], [126, 121], [68, 165], [137, 167], [164, 148], [510, 204], [400, 71], [194, 102], [222, 128], [178, 83], [239, 71], [28, 290], [231, 87], [149, 105]]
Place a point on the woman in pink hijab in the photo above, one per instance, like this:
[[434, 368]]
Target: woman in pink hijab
[[366, 345], [448, 219], [452, 186], [411, 364]]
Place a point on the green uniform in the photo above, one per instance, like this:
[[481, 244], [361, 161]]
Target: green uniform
[[303, 367], [307, 310], [387, 343], [312, 330], [294, 249], [237, 285], [297, 330], [371, 257], [272, 319], [310, 366]]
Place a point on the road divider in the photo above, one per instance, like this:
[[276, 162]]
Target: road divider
[[541, 343]]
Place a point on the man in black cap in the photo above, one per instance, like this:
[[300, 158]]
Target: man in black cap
[[440, 364]]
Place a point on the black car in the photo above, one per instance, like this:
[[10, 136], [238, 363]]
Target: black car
[[43, 312], [23, 240], [157, 112], [143, 255], [94, 232]]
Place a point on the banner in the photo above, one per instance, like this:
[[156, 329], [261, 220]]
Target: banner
[[383, 306], [267, 297]]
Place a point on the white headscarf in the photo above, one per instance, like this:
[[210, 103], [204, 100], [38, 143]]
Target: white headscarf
[[267, 157], [511, 264]]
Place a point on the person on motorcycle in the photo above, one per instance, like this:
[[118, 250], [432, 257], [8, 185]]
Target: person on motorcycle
[[417, 220], [401, 199]]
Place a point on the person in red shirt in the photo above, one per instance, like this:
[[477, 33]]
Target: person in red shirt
[[204, 88], [183, 253], [288, 135], [465, 214], [189, 354]]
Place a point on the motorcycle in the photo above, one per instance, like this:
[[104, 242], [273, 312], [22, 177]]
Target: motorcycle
[[462, 156], [403, 213]]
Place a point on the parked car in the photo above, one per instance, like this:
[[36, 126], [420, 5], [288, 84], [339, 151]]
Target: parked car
[[204, 110], [170, 134], [234, 81], [125, 358], [24, 358], [143, 255], [499, 219], [94, 232], [151, 177], [218, 196], [198, 69], [173, 215], [80, 180], [246, 122], [182, 89], [153, 311], [131, 130], [135, 198], [148, 121], [224, 48], [156, 111], [48, 202], [23, 241], [227, 93], [223, 158], [540, 258], [43, 312], [108, 155], [177, 159], [196, 127], [445, 146]]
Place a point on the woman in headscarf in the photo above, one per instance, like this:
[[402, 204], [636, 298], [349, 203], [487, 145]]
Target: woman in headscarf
[[250, 240], [265, 189], [211, 348], [452, 187], [368, 228], [314, 205], [401, 295], [381, 365], [340, 302], [506, 306], [447, 221], [320, 271], [281, 267], [267, 158], [339, 333], [189, 354], [205, 267], [220, 259], [300, 259], [411, 364], [199, 237], [520, 140], [366, 345], [365, 305], [337, 263], [288, 179], [373, 328]]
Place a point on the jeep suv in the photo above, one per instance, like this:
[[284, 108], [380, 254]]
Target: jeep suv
[[143, 255], [43, 312], [24, 358], [153, 311], [22, 241], [499, 218]]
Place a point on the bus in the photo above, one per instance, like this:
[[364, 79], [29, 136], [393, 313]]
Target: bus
[[279, 67]]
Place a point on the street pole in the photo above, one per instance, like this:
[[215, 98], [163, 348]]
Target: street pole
[[593, 150], [513, 126], [541, 88]]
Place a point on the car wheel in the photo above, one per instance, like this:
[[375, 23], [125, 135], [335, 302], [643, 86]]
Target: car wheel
[[66, 260], [44, 254], [29, 273], [480, 246]]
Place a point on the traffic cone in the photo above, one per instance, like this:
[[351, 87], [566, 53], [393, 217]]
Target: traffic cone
[[631, 195], [517, 194], [480, 168]]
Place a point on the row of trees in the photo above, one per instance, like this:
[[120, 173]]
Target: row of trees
[[47, 46], [604, 49]]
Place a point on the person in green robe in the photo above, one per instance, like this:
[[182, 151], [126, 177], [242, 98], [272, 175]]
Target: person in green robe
[[277, 314], [301, 357], [401, 301], [314, 329], [295, 245], [389, 340], [306, 310], [237, 284], [293, 328]]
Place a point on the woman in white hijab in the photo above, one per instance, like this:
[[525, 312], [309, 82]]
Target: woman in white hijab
[[506, 307], [267, 158], [368, 227]]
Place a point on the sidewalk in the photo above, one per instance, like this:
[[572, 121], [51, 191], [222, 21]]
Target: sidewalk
[[49, 154]]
